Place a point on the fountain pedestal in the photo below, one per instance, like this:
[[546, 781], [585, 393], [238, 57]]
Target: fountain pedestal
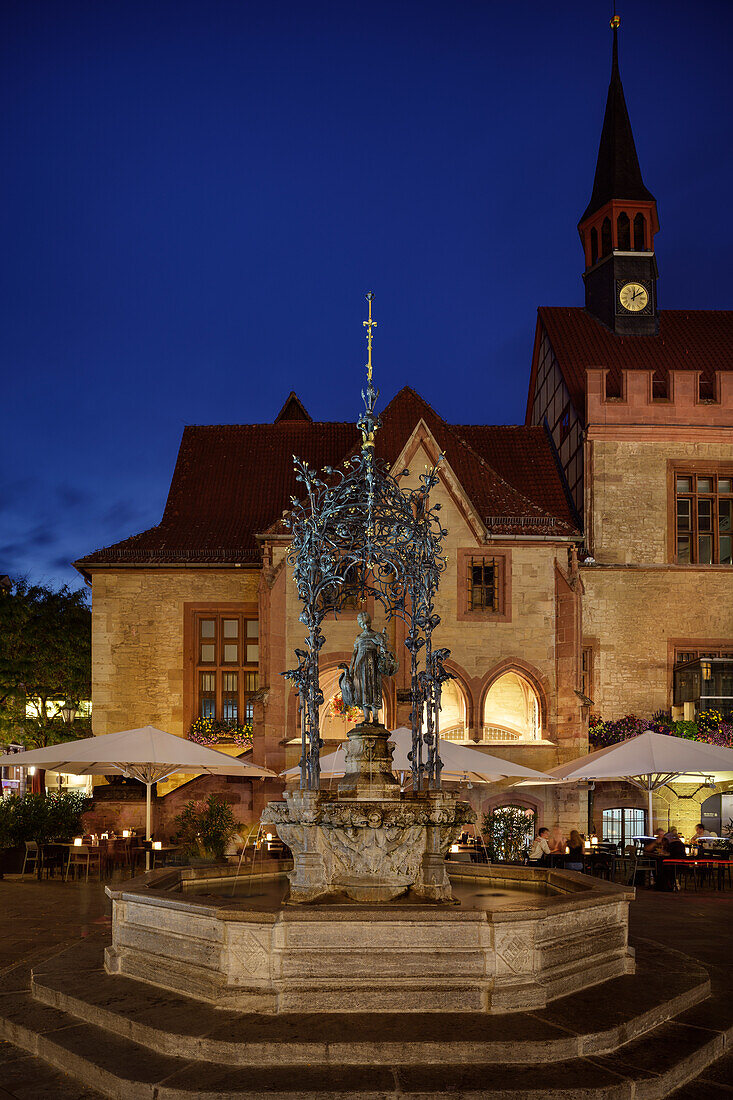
[[367, 840]]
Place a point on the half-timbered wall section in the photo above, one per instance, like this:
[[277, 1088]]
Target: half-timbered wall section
[[552, 405]]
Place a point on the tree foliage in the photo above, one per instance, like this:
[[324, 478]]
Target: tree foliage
[[45, 660]]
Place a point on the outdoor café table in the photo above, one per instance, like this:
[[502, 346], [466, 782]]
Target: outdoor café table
[[53, 855], [706, 865], [600, 858], [163, 852]]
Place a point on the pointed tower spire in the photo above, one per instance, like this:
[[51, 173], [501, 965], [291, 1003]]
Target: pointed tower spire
[[619, 223], [618, 175]]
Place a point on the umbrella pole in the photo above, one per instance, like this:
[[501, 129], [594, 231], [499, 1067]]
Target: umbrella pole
[[148, 821], [651, 811]]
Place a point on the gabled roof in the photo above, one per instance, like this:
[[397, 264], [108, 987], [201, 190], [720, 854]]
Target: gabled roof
[[688, 339], [232, 482], [293, 409], [618, 175]]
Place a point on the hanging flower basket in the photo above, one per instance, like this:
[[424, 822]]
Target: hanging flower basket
[[337, 709]]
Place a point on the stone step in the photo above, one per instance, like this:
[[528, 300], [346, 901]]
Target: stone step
[[650, 1067], [666, 984]]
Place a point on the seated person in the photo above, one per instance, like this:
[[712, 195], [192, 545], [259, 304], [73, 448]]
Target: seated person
[[539, 853], [574, 858], [655, 846], [675, 844], [557, 839], [701, 835]]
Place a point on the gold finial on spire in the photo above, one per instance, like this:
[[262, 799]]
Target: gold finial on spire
[[369, 325]]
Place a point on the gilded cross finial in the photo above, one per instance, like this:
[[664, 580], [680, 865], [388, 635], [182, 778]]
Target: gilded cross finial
[[369, 324]]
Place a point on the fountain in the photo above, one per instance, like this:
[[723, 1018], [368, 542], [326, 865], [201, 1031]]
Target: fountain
[[368, 920]]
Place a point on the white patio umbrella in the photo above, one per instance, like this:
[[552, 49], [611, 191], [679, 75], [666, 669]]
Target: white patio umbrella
[[459, 762], [148, 754], [650, 761]]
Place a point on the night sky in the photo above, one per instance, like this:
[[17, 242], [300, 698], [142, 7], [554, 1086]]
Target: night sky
[[196, 196]]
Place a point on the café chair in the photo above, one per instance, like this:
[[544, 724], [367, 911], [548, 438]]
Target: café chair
[[32, 856], [83, 855]]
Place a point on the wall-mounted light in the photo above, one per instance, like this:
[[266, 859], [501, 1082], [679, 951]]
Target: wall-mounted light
[[68, 712]]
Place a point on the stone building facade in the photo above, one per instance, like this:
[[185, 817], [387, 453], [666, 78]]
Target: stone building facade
[[589, 550], [509, 601]]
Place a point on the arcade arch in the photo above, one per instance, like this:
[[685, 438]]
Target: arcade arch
[[512, 710]]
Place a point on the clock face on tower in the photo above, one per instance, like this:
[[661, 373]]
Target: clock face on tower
[[633, 297]]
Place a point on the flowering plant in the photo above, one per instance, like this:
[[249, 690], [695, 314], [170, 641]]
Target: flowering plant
[[602, 734], [209, 731], [710, 727], [337, 709]]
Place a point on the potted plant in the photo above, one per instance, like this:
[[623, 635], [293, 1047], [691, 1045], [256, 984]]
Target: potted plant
[[205, 829]]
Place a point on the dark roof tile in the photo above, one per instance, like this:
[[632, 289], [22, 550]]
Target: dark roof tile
[[688, 339], [232, 482]]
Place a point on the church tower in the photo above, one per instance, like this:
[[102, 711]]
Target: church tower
[[618, 226]]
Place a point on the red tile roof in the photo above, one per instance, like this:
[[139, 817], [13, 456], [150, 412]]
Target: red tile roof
[[689, 339], [232, 482]]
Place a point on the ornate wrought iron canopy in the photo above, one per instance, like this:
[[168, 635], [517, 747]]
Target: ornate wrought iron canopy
[[357, 531]]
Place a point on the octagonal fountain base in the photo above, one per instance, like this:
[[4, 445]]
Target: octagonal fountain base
[[518, 938]]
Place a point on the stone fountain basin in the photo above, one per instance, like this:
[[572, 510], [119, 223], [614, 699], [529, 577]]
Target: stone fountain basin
[[554, 933]]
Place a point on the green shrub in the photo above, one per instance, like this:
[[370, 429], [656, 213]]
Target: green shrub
[[206, 827], [43, 817]]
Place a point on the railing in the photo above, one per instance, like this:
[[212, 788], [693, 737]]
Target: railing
[[488, 733]]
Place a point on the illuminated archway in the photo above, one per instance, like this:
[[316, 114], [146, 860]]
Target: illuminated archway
[[453, 712], [512, 710], [335, 726]]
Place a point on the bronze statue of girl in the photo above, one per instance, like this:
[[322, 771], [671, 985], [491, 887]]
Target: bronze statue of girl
[[372, 659]]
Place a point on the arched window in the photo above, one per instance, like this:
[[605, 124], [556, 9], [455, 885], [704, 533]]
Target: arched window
[[621, 824], [606, 246], [623, 232], [639, 233], [511, 710], [336, 720], [593, 245], [453, 712]]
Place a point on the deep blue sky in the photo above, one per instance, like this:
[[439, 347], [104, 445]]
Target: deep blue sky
[[196, 195]]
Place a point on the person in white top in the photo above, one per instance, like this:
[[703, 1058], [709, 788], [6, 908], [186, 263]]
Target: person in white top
[[702, 834], [540, 850]]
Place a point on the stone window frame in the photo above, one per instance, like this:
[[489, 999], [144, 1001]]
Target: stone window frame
[[193, 614], [702, 646], [587, 668], [503, 563], [696, 468]]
